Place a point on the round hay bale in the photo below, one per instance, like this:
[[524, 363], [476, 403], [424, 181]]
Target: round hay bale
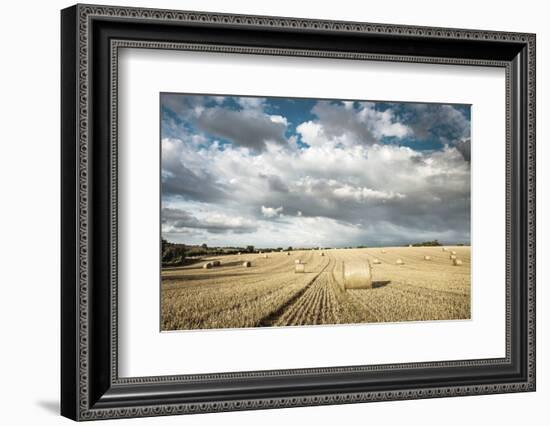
[[207, 265], [453, 252], [300, 268], [239, 253], [357, 275], [216, 263], [410, 245], [443, 249], [265, 256], [452, 256], [247, 264], [297, 261], [457, 262], [376, 261], [288, 253], [427, 258], [399, 262], [321, 254]]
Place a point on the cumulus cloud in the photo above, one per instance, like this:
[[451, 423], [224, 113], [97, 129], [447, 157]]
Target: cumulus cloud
[[464, 148], [361, 193], [279, 119], [246, 124], [186, 175], [348, 186], [251, 103], [446, 121], [275, 183], [312, 133], [447, 124], [369, 185], [347, 124], [246, 128], [271, 212], [175, 220]]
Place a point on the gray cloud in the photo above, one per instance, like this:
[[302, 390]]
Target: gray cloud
[[350, 124], [183, 182], [244, 128], [434, 119], [337, 120], [464, 147], [275, 183], [386, 195], [438, 210], [347, 188], [177, 220], [444, 122], [186, 106]]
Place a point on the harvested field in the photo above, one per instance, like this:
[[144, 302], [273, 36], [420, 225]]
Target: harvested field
[[270, 293]]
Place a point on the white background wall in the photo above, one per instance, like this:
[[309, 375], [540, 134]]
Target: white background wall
[[29, 211]]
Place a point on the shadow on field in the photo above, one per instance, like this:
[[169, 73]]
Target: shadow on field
[[182, 265], [188, 277], [219, 273], [378, 284], [234, 263], [198, 265]]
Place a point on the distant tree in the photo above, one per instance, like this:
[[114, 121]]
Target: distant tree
[[173, 254], [289, 248], [204, 246], [250, 249], [198, 251], [434, 243]]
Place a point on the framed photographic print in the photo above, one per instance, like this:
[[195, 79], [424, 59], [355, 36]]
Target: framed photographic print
[[263, 212], [267, 205]]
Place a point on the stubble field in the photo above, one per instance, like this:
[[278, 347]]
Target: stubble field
[[270, 293]]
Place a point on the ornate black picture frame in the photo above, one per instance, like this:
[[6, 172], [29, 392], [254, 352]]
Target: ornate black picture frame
[[91, 36]]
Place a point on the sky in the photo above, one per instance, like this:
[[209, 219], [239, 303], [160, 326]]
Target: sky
[[279, 172]]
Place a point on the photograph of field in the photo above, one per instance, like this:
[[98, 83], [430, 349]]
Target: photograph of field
[[279, 212]]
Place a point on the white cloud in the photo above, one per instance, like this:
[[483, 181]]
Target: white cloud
[[312, 133], [251, 103], [345, 189], [348, 105], [382, 123], [279, 119], [349, 125], [361, 194], [271, 212], [425, 191], [430, 116], [249, 128], [180, 220]]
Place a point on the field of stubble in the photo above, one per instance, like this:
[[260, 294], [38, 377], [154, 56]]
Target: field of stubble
[[270, 293]]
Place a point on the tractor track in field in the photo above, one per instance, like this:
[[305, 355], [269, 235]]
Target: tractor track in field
[[273, 317]]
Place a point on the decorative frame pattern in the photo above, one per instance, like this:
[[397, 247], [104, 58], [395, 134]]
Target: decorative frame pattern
[[88, 402]]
